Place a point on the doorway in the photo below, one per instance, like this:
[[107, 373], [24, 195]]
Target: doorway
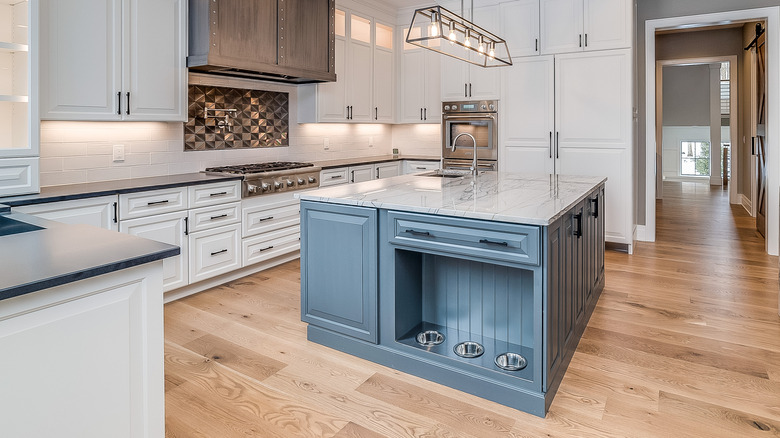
[[771, 15]]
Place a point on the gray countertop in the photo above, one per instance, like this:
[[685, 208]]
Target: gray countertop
[[95, 189], [330, 164], [497, 196], [59, 253]]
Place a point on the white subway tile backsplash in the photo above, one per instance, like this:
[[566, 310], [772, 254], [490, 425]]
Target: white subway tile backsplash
[[63, 149], [111, 174], [133, 160], [51, 164], [147, 171], [86, 162], [149, 146], [64, 177], [177, 168]]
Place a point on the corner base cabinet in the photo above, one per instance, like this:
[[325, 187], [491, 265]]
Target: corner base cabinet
[[374, 280]]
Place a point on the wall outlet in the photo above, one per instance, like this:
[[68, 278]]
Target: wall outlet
[[370, 142], [119, 152], [326, 143]]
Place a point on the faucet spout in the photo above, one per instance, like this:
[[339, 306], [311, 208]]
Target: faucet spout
[[474, 143]]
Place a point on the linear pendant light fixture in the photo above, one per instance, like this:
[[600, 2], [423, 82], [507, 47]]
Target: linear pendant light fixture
[[441, 30]]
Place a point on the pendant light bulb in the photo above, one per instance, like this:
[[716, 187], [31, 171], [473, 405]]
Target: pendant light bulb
[[434, 24], [481, 46], [492, 52], [452, 35], [467, 40]]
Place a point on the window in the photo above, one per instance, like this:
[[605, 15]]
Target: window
[[695, 159]]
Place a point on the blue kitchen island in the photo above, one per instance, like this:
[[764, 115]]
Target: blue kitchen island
[[484, 284]]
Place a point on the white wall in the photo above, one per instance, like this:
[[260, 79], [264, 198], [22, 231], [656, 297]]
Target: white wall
[[673, 135], [81, 152]]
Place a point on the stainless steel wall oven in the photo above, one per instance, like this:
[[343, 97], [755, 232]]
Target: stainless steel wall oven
[[465, 124]]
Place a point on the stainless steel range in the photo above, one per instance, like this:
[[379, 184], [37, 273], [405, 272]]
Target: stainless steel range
[[274, 177]]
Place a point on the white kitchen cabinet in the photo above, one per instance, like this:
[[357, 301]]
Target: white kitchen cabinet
[[270, 245], [113, 60], [214, 252], [461, 80], [420, 83], [572, 114], [271, 227], [361, 173], [332, 177], [214, 194], [140, 204], [419, 166], [167, 228], [519, 26], [19, 122], [88, 358], [99, 212], [582, 25], [206, 218], [388, 170], [363, 91]]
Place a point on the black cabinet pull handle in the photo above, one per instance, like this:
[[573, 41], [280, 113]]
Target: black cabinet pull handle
[[580, 40], [219, 252], [116, 212], [586, 40], [578, 231], [421, 113], [119, 103], [469, 89], [164, 201], [426, 114], [337, 176], [219, 217], [347, 112], [218, 194], [265, 219], [265, 249], [465, 90], [595, 203], [491, 242], [186, 226], [550, 144], [418, 233], [128, 103], [557, 143], [377, 173], [536, 45], [376, 113]]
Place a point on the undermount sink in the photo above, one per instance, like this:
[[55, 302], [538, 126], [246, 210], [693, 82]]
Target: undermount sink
[[12, 226], [447, 173]]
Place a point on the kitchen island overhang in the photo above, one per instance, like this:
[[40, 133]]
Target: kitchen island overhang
[[509, 263]]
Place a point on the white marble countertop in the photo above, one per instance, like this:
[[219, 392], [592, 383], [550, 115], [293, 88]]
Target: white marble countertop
[[496, 196]]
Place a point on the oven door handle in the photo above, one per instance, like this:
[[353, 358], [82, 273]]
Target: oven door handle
[[482, 116]]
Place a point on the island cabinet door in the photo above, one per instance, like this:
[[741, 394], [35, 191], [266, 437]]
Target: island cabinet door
[[339, 268]]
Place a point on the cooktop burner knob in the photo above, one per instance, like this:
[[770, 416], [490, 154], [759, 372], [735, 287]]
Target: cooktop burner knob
[[290, 183], [265, 187], [312, 179], [251, 188], [277, 185], [301, 181]]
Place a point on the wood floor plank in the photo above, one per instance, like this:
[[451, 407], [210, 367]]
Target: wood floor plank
[[239, 359], [352, 430]]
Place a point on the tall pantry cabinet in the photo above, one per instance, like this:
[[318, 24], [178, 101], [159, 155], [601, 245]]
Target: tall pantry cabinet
[[572, 113], [19, 133]]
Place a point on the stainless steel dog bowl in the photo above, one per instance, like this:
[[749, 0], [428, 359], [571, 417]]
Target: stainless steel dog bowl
[[469, 349], [429, 338], [510, 362]]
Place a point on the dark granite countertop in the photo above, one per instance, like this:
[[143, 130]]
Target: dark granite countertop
[[330, 164], [104, 188], [60, 253]]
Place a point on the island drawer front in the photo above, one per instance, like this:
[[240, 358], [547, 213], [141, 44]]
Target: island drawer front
[[213, 194], [140, 204], [501, 241], [211, 217], [332, 177]]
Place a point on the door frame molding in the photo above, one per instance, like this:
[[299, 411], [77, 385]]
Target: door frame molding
[[734, 197], [772, 17]]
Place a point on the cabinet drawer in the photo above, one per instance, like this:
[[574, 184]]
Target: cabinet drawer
[[210, 217], [505, 242], [214, 252], [19, 176], [263, 219], [213, 194], [269, 245], [332, 177], [420, 166], [132, 205]]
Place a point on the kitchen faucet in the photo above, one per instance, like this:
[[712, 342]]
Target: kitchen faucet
[[474, 142]]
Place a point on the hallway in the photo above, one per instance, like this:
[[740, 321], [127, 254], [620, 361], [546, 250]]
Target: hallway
[[684, 342]]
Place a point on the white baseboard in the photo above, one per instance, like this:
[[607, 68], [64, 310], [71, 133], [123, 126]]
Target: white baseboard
[[230, 276], [641, 233], [747, 204]]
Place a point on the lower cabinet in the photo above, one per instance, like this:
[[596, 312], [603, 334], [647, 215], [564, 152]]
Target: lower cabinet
[[214, 252], [99, 212], [339, 290], [166, 228], [419, 166]]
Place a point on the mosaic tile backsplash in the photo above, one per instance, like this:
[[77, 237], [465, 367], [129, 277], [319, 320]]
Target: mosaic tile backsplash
[[234, 118]]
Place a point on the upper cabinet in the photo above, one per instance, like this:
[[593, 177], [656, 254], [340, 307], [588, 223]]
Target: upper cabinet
[[419, 83], [582, 25], [281, 40], [18, 98], [520, 27], [365, 79], [113, 60]]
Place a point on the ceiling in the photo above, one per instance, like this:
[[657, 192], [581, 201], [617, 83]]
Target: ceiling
[[400, 4]]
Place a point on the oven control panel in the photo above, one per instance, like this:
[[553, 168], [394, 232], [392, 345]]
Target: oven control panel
[[256, 186], [470, 106]]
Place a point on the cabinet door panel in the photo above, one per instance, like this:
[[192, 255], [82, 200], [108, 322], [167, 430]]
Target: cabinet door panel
[[412, 86], [306, 42], [331, 96], [360, 89], [339, 291], [98, 212], [520, 26], [432, 87], [361, 173], [384, 89], [561, 26], [527, 116], [165, 228], [251, 41], [155, 56], [484, 83], [215, 252], [454, 79], [80, 64], [608, 24], [387, 170]]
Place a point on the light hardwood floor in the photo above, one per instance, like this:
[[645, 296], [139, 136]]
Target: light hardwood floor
[[684, 342]]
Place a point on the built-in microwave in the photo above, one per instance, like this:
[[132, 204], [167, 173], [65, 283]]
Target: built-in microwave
[[467, 123]]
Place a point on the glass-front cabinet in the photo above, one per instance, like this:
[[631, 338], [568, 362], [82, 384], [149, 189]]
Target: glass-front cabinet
[[19, 123]]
